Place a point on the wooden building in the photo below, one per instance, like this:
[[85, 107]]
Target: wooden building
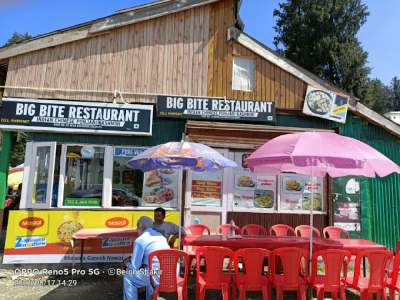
[[188, 50]]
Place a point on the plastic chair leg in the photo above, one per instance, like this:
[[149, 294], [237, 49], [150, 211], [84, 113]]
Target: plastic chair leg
[[302, 293], [154, 296], [392, 294], [234, 290], [364, 295], [265, 293], [320, 294], [279, 294], [334, 295], [342, 293], [225, 292], [201, 293], [242, 293]]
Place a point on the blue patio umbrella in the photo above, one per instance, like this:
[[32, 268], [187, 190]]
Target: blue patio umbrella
[[181, 155]]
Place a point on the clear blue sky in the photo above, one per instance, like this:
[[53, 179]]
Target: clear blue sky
[[379, 36]]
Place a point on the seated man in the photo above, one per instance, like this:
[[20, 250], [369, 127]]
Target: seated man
[[137, 275], [167, 229]]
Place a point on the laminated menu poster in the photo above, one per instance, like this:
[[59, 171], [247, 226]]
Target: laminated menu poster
[[160, 187], [297, 190], [207, 188], [345, 192], [254, 191]]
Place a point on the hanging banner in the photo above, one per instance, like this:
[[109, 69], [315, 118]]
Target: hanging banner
[[215, 109], [76, 117], [326, 105]]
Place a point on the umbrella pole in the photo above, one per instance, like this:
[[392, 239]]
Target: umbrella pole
[[180, 209], [311, 220]]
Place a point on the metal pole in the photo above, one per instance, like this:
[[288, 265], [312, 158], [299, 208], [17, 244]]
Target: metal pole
[[311, 219]]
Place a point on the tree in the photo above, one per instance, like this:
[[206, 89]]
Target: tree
[[19, 139], [321, 36], [395, 90], [377, 96], [17, 38]]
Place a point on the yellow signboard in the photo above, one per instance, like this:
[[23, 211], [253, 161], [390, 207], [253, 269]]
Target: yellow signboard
[[45, 236]]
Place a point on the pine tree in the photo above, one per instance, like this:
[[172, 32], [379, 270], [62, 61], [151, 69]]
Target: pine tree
[[321, 36]]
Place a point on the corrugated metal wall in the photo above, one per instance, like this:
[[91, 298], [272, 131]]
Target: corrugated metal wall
[[384, 201]]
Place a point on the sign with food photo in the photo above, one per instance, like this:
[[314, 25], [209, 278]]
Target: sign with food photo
[[296, 192], [207, 188], [251, 191], [325, 104], [160, 187]]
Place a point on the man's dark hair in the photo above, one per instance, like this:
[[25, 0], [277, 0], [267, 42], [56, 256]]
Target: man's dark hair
[[161, 210]]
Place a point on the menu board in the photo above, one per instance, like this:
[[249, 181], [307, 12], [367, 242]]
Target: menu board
[[253, 190], [160, 187], [346, 203], [297, 190], [207, 188]]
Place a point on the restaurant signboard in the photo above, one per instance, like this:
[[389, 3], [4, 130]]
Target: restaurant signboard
[[76, 117], [215, 109], [326, 105]]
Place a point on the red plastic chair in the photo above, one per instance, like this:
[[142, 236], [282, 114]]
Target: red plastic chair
[[281, 230], [213, 277], [198, 229], [170, 282], [293, 261], [374, 283], [253, 229], [334, 261], [304, 231], [332, 232], [393, 282], [225, 229], [252, 277]]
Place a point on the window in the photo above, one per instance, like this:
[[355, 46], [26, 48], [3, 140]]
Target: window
[[243, 74], [83, 181], [131, 187]]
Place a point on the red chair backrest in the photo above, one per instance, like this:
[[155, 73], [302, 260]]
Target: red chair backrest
[[334, 261], [253, 229], [214, 261], [332, 232], [253, 264], [377, 262], [304, 231], [281, 230], [292, 259], [199, 229], [225, 229], [168, 260]]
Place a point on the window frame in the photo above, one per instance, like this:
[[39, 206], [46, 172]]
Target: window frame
[[253, 76]]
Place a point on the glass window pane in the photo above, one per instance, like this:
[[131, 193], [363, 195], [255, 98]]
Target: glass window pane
[[83, 184], [40, 179], [207, 188], [296, 192], [132, 187], [243, 74]]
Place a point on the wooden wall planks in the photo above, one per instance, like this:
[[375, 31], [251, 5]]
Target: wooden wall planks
[[272, 82], [166, 55]]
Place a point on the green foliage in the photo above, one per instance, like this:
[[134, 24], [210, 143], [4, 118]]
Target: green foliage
[[18, 152], [17, 38], [377, 96], [321, 36], [395, 94]]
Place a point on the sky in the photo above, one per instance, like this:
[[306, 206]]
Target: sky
[[379, 36]]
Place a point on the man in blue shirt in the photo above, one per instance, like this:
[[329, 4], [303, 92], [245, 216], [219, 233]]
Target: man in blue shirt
[[137, 275]]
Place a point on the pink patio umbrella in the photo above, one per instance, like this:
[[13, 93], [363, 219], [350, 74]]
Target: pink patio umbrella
[[320, 154]]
